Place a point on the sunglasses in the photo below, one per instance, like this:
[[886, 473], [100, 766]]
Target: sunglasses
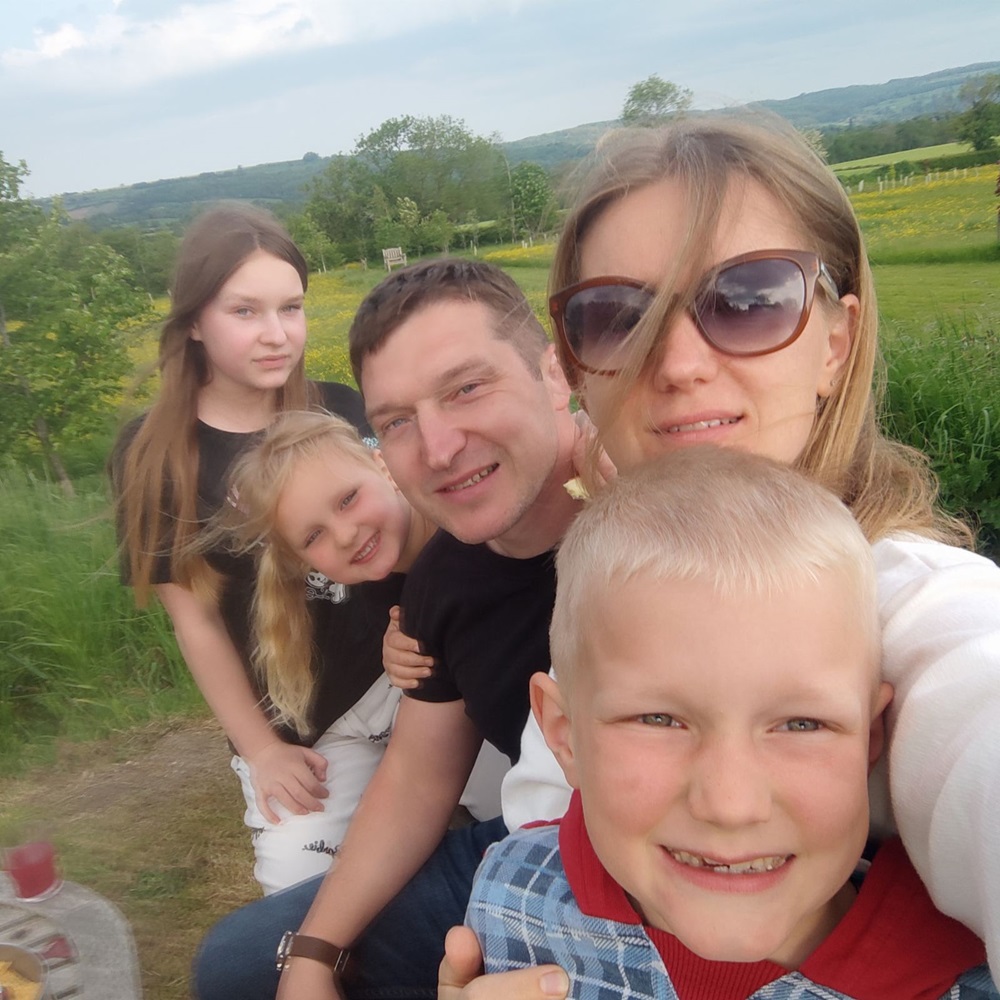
[[749, 305]]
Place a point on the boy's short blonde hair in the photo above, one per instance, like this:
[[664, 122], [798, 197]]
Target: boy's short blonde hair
[[745, 524]]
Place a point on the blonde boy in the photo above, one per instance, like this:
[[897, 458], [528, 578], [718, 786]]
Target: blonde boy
[[718, 711]]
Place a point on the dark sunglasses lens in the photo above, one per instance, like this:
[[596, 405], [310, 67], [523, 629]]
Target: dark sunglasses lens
[[598, 321], [752, 307]]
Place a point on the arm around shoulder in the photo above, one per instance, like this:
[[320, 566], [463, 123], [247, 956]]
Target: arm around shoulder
[[940, 612]]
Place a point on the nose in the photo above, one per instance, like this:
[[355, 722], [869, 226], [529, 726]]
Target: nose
[[682, 356], [273, 329], [728, 785], [440, 439], [344, 531]]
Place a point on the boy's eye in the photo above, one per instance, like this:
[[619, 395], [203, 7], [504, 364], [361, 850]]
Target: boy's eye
[[658, 719], [310, 538], [801, 726], [347, 500]]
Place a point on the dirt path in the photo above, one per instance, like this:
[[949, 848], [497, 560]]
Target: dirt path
[[152, 819]]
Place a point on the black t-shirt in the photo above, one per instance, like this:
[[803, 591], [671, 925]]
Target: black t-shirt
[[348, 622], [485, 620]]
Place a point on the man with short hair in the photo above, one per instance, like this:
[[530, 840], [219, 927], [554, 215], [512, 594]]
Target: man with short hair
[[472, 413]]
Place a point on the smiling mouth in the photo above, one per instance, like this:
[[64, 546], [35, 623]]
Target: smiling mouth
[[477, 477], [752, 867], [701, 425], [362, 554]]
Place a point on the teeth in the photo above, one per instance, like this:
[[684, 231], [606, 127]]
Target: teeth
[[472, 480], [372, 542], [701, 425], [765, 864]]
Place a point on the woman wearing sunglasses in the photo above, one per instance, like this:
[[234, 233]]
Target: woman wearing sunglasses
[[711, 286]]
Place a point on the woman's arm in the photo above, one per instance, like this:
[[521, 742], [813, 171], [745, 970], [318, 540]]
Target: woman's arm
[[402, 817], [940, 610], [293, 775]]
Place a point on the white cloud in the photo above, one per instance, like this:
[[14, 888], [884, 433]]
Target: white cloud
[[118, 49]]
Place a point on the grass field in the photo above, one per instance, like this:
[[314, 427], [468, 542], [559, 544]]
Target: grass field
[[918, 154]]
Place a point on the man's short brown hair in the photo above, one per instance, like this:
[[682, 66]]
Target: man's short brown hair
[[405, 292]]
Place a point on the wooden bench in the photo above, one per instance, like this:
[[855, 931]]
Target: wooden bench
[[393, 256]]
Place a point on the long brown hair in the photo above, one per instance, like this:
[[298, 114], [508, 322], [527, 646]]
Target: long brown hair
[[887, 485], [158, 479]]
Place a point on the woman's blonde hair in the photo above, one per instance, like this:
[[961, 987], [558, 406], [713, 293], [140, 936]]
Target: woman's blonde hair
[[282, 627], [887, 485], [157, 482]]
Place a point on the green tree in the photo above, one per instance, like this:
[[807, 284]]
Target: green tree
[[654, 100], [531, 197], [342, 203], [150, 254], [438, 163], [980, 123], [64, 302], [317, 248]]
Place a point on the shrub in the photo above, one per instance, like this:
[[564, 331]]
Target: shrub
[[942, 397]]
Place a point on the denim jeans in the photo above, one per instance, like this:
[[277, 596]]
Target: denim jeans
[[399, 953]]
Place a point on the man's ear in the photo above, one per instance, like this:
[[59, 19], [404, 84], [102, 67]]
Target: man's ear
[[876, 738], [548, 704], [555, 379]]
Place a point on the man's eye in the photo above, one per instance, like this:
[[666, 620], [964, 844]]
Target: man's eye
[[658, 719], [801, 725], [244, 311], [393, 425], [468, 388]]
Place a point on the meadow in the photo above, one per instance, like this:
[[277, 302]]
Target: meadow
[[86, 677]]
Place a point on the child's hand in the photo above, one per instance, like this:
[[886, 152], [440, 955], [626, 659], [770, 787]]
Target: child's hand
[[460, 976], [401, 656], [290, 774]]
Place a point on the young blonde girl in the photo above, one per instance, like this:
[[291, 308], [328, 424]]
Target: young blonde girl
[[230, 359], [312, 500]]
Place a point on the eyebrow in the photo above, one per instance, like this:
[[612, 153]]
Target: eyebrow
[[449, 376], [255, 300]]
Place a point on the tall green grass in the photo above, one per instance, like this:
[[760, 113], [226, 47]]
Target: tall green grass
[[943, 397], [77, 659]]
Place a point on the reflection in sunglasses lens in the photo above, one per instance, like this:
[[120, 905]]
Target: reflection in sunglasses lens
[[599, 320], [752, 307]]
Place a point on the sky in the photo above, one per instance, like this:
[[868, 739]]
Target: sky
[[97, 93]]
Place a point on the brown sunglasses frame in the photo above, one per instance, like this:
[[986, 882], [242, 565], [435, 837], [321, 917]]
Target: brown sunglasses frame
[[812, 268]]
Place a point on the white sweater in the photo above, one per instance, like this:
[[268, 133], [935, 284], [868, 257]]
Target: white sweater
[[940, 613]]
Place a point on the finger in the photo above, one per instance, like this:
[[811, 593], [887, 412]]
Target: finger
[[265, 808], [318, 764], [462, 961], [402, 683], [308, 792], [299, 801]]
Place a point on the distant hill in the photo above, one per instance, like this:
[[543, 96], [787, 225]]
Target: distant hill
[[897, 100], [172, 202]]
